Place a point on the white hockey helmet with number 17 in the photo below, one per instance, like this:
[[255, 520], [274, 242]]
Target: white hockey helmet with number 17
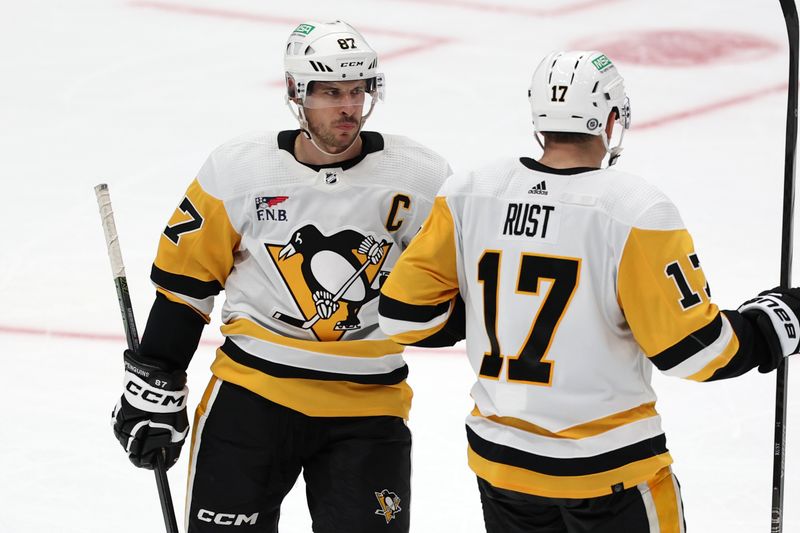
[[329, 51], [574, 92]]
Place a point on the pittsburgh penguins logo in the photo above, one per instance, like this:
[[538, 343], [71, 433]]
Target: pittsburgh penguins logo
[[330, 278], [390, 505]]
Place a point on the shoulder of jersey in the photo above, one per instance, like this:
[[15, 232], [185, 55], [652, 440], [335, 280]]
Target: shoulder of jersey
[[633, 201], [239, 164], [414, 159], [488, 180]]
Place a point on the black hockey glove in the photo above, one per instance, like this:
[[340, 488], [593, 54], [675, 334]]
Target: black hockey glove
[[776, 312], [151, 414]]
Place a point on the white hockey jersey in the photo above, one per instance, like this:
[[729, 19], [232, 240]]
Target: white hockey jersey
[[301, 255], [574, 282]]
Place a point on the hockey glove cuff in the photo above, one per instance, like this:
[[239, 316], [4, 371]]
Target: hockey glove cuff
[[151, 414], [775, 313]]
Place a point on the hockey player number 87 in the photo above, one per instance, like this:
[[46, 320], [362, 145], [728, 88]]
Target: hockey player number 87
[[530, 364]]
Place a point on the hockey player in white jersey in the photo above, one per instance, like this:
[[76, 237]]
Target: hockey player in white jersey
[[300, 229], [577, 281]]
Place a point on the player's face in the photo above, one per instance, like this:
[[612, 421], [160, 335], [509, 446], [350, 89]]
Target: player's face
[[334, 111]]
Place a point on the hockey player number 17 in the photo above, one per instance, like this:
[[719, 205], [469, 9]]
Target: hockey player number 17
[[530, 364]]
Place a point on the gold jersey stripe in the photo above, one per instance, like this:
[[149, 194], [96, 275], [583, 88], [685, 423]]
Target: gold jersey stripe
[[588, 429], [205, 254], [426, 272], [316, 397], [588, 486], [720, 361], [173, 298], [411, 337], [650, 298], [662, 489], [360, 348]]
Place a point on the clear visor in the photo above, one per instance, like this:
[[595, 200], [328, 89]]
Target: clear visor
[[350, 94]]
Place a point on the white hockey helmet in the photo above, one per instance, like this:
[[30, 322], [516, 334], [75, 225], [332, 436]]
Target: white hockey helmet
[[574, 92], [329, 51]]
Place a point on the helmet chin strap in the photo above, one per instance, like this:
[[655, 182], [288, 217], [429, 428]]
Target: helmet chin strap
[[538, 139], [300, 115], [615, 151]]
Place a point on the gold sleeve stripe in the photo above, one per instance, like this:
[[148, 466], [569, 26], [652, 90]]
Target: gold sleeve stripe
[[318, 398], [585, 486], [204, 253], [173, 298], [426, 272], [411, 337], [589, 429], [651, 299], [691, 345], [719, 362], [357, 348]]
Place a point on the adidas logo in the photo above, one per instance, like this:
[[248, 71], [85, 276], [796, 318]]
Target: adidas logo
[[538, 189]]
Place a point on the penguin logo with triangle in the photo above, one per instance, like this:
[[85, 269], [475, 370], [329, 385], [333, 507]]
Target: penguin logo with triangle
[[330, 278]]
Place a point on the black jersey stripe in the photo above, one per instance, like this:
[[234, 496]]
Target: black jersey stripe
[[690, 345], [580, 466], [186, 285], [397, 310], [278, 370]]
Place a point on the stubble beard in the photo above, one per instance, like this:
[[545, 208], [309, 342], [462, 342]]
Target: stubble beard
[[331, 141]]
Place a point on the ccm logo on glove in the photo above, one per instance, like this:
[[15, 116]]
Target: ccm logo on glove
[[155, 397], [144, 396]]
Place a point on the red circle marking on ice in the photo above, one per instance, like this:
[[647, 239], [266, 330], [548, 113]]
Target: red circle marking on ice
[[683, 48]]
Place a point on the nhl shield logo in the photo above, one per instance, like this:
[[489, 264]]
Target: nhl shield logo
[[390, 505], [330, 278]]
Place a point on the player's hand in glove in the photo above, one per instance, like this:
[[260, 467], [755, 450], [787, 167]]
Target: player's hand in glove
[[776, 312], [151, 414], [372, 249], [323, 300]]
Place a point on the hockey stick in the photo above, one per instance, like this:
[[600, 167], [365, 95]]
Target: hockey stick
[[790, 16], [132, 336], [299, 323]]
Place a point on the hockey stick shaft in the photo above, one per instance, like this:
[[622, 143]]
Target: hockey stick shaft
[[779, 450], [131, 335]]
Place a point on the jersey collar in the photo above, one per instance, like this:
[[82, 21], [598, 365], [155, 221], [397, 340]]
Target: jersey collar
[[535, 165], [372, 141]]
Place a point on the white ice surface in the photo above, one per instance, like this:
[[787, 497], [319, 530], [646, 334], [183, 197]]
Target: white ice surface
[[137, 93]]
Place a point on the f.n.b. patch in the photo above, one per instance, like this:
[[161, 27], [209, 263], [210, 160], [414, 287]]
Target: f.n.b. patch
[[265, 208]]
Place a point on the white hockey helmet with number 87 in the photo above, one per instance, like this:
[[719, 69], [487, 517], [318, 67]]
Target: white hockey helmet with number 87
[[332, 52], [575, 92]]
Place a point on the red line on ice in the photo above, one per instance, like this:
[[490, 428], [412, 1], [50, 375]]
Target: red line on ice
[[270, 19], [507, 9], [424, 42], [120, 339], [81, 335], [708, 108]]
